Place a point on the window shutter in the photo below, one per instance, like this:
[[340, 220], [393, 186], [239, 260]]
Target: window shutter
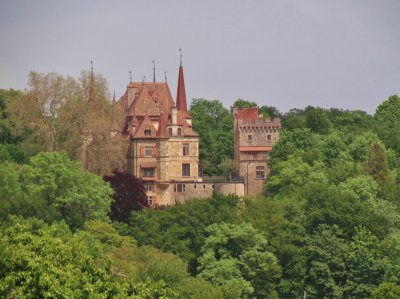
[[142, 151], [154, 152]]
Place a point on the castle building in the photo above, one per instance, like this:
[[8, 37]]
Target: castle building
[[163, 147], [254, 139]]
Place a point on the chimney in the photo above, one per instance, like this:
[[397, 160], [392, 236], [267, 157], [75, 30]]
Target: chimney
[[131, 94], [174, 115]]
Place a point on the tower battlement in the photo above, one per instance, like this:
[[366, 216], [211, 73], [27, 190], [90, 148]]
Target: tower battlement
[[254, 139]]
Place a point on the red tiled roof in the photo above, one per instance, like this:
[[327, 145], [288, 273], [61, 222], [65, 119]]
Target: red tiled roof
[[145, 125], [255, 148], [150, 98], [181, 93], [153, 102]]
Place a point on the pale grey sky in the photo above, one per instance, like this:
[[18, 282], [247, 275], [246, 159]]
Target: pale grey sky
[[282, 53]]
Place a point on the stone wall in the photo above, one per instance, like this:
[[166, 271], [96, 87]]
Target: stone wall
[[227, 188]]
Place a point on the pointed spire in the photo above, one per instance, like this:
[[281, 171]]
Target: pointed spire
[[181, 93], [91, 87], [154, 71]]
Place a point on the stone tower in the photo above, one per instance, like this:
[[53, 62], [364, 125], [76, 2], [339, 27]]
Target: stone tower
[[254, 139]]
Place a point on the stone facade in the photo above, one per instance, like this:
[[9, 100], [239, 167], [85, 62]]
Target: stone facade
[[163, 148], [254, 139]]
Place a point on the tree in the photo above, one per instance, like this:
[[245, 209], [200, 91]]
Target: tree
[[180, 228], [61, 113], [129, 195], [365, 265], [228, 167], [282, 222], [236, 255], [6, 96], [377, 164], [387, 290], [40, 261], [67, 192], [327, 251], [240, 103], [317, 120], [214, 123], [389, 111], [364, 187]]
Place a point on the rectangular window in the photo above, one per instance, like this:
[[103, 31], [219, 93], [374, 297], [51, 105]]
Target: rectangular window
[[186, 149], [269, 137], [147, 132], [148, 151], [179, 188], [249, 138], [260, 172], [149, 186], [150, 201], [148, 172], [185, 169]]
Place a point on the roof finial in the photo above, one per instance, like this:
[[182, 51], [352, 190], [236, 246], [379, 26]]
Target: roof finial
[[114, 97], [143, 79], [154, 71], [91, 87], [180, 56], [130, 76], [165, 76]]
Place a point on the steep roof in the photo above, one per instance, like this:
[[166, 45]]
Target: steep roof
[[147, 102], [181, 92], [150, 98], [146, 124]]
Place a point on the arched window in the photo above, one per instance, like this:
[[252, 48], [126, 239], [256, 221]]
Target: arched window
[[170, 131], [179, 132]]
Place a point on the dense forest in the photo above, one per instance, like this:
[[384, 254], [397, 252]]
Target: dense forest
[[327, 225]]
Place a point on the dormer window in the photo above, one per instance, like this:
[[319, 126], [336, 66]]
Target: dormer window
[[147, 132], [179, 132], [170, 131]]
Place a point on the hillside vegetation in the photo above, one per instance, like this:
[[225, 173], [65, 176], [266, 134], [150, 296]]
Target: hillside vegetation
[[328, 223]]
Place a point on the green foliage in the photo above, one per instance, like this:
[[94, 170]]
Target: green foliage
[[365, 265], [389, 110], [53, 188], [386, 290], [236, 256], [75, 195], [228, 167], [36, 263], [214, 123], [180, 228], [327, 254], [6, 96], [283, 222], [317, 120]]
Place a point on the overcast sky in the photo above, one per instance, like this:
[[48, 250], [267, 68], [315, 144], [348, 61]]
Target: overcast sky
[[287, 54]]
